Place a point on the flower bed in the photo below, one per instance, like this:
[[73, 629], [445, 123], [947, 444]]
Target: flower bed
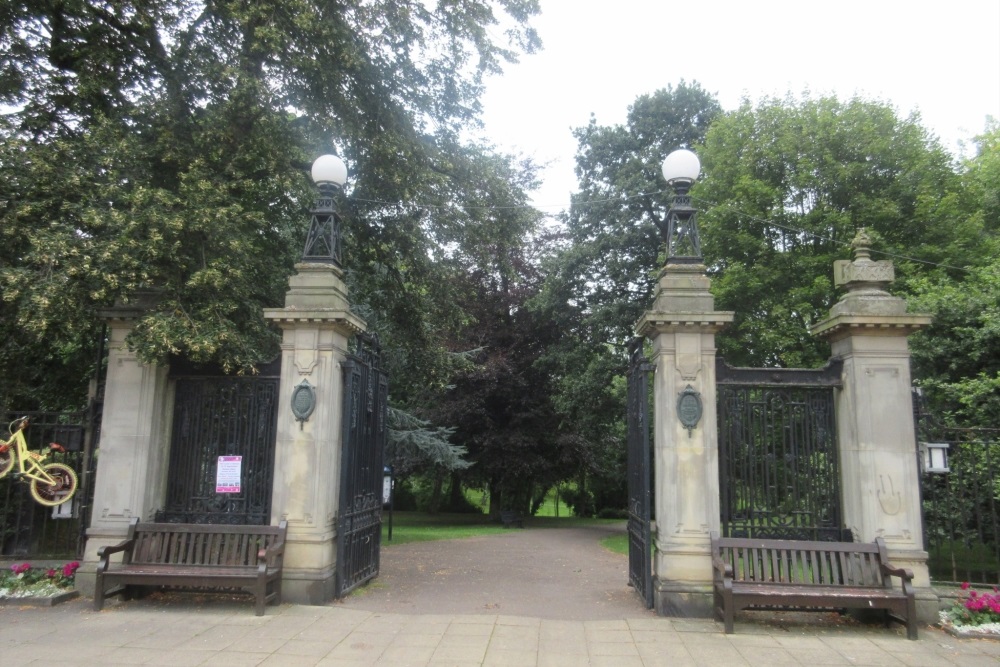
[[23, 584], [975, 615]]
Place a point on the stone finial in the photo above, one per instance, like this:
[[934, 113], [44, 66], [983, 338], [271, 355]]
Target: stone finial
[[861, 245], [867, 308], [863, 273]]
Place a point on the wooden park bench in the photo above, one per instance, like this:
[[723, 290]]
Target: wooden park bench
[[184, 555], [813, 576], [509, 519]]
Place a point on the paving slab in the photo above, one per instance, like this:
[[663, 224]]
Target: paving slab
[[568, 608]]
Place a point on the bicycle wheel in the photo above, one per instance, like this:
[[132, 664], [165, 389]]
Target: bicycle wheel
[[58, 493], [6, 460]]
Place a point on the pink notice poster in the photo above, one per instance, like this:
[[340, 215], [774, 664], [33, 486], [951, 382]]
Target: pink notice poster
[[227, 475]]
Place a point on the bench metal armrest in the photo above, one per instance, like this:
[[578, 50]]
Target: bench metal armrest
[[104, 552]]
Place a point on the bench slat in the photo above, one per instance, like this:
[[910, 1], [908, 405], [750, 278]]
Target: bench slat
[[824, 591]]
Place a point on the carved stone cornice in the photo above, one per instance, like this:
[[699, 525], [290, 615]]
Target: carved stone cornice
[[653, 323], [335, 317], [843, 325]]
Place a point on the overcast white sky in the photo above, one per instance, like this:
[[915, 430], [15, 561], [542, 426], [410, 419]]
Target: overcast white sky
[[939, 58]]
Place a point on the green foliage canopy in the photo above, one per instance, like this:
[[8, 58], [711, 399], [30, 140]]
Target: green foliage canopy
[[165, 145], [788, 183], [598, 277]]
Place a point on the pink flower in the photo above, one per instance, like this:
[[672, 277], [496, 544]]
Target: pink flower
[[50, 573], [965, 585], [20, 568]]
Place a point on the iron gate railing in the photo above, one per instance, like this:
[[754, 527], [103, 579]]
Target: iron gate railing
[[359, 522], [218, 416], [640, 565], [29, 530], [960, 502], [778, 460]]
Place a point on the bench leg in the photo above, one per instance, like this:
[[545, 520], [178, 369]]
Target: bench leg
[[728, 613], [99, 593], [260, 598], [911, 618]]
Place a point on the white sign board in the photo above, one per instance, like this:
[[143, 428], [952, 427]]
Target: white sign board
[[227, 475], [386, 489]]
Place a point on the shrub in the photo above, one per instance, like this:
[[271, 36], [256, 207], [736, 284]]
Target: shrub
[[976, 608], [581, 502], [22, 580]]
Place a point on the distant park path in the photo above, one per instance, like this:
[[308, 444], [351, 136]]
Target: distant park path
[[550, 573]]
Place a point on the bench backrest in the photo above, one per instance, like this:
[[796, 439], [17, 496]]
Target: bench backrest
[[201, 544], [818, 563]]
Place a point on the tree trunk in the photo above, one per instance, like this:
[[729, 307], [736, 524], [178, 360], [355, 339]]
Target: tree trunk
[[456, 500], [434, 506], [495, 506]]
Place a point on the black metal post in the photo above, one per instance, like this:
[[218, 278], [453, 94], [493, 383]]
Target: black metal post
[[323, 239], [681, 227]]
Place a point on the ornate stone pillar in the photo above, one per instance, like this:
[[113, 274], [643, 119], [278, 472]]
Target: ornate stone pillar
[[132, 462], [681, 326], [880, 481], [317, 324]]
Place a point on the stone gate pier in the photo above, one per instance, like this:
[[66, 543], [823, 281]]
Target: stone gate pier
[[880, 480], [875, 441]]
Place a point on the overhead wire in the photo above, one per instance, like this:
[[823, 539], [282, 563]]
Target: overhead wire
[[706, 202]]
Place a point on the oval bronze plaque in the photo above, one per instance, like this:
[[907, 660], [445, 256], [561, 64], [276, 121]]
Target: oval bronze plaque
[[689, 408], [303, 401]]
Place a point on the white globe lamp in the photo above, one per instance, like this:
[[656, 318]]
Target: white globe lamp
[[681, 167]]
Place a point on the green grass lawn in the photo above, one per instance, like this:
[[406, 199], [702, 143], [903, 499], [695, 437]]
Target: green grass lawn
[[616, 543], [548, 507], [421, 527]]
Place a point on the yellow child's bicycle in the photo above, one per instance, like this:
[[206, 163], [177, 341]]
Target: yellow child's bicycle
[[51, 483]]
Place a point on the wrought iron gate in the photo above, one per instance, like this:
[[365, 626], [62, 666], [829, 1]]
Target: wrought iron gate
[[359, 524], [959, 469], [216, 416], [778, 462], [29, 530], [640, 566]]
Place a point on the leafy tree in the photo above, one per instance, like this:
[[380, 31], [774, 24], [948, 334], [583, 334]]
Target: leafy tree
[[599, 278], [787, 185], [165, 145], [956, 358], [483, 221], [416, 446], [612, 235], [500, 402]]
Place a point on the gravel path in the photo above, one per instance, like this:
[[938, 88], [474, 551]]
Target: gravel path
[[549, 573]]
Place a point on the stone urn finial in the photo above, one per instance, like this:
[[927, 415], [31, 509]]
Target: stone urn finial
[[861, 245], [863, 273], [867, 306], [867, 281]]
